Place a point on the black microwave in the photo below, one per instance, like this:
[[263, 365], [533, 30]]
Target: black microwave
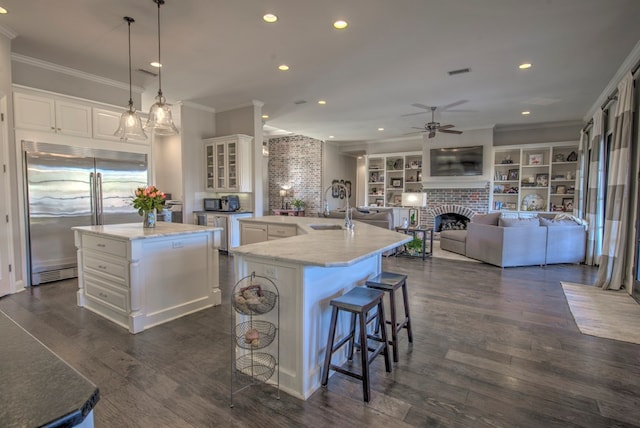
[[212, 204]]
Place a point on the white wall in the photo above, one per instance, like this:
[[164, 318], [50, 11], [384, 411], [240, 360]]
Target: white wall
[[196, 125], [46, 79], [337, 166]]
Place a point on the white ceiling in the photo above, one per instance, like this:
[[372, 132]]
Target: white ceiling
[[393, 54]]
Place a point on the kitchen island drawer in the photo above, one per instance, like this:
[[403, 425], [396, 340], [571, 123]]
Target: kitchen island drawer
[[99, 243], [114, 267], [111, 297], [281, 231]]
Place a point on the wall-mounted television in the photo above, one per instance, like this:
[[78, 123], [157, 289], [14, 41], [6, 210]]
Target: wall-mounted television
[[456, 161]]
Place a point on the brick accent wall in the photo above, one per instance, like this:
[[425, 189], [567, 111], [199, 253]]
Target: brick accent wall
[[476, 200], [296, 160]]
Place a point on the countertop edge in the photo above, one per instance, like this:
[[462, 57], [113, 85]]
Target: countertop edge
[[135, 231]]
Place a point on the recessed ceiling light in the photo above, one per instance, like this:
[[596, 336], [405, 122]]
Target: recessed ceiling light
[[340, 24], [380, 129], [331, 136], [156, 64], [283, 67], [322, 102], [265, 116], [3, 11], [524, 113], [270, 17], [524, 66]]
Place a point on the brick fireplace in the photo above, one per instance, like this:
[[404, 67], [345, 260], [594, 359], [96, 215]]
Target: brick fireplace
[[462, 202]]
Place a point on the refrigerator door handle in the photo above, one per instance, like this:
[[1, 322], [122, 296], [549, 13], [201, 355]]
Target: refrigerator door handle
[[99, 205], [92, 198]]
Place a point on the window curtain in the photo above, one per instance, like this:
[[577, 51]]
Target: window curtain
[[613, 260], [591, 200]]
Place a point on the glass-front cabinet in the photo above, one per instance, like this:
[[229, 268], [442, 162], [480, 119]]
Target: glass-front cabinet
[[537, 178], [390, 175], [228, 163]]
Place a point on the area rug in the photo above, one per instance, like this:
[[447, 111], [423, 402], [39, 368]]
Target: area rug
[[607, 314], [444, 254]]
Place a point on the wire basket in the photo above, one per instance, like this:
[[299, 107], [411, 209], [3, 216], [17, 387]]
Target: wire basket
[[258, 365], [259, 302], [256, 334]]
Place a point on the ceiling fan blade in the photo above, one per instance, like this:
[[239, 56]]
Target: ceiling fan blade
[[446, 126], [450, 131], [457, 103], [422, 106], [415, 127], [413, 114]]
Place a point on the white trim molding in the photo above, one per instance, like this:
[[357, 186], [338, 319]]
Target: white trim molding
[[73, 72]]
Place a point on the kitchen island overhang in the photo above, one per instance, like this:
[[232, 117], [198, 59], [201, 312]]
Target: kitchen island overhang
[[310, 269], [141, 277]]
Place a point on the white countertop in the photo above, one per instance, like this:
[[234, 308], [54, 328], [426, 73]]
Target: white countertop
[[133, 231], [328, 248], [223, 212]]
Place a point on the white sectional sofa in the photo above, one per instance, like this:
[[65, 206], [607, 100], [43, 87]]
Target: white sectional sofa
[[506, 242]]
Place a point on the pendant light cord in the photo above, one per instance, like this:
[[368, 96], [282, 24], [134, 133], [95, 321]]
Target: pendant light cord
[[159, 2], [129, 21]]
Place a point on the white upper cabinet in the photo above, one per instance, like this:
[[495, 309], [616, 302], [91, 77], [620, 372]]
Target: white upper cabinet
[[228, 163], [52, 115], [106, 122]]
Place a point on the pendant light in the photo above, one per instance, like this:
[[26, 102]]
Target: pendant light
[[160, 119], [130, 123]]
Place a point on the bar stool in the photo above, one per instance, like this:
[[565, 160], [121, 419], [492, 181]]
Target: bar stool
[[359, 301], [390, 282]]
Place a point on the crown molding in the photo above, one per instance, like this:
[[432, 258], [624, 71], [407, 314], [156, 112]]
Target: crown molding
[[196, 106], [632, 60], [73, 72], [8, 32]]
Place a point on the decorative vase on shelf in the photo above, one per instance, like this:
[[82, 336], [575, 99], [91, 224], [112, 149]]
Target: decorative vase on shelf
[[149, 218]]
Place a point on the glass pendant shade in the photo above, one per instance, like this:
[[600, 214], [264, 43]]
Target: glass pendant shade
[[160, 118], [130, 125]]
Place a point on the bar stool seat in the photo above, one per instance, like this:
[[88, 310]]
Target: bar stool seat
[[358, 302], [390, 282]]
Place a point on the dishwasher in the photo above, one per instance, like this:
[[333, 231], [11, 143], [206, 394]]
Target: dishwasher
[[216, 221]]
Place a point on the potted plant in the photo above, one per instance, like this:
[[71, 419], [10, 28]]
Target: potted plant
[[148, 201], [298, 204], [414, 247]]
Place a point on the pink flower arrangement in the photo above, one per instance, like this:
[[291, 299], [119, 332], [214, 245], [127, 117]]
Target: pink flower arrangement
[[148, 198]]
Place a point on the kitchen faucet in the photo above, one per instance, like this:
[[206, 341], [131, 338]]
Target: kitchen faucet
[[348, 219]]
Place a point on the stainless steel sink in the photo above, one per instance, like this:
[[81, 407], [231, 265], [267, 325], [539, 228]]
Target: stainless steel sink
[[326, 227]]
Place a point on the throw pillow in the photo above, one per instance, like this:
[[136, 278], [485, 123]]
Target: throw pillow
[[519, 222], [490, 219]]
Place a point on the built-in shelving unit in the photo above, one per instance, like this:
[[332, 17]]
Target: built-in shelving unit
[[534, 178], [390, 175]]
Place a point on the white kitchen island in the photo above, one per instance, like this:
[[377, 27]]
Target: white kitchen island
[[310, 269], [139, 278]]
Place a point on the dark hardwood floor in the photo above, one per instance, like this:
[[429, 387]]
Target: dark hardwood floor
[[492, 348]]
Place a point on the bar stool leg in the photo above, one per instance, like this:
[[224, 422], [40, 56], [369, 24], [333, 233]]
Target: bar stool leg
[[405, 297], [383, 334], [328, 352], [394, 326], [352, 333], [364, 356]]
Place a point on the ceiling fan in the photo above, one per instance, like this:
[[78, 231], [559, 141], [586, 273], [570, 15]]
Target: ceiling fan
[[433, 126]]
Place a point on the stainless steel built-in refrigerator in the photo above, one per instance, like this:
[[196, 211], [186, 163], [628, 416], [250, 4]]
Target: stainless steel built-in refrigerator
[[73, 186]]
